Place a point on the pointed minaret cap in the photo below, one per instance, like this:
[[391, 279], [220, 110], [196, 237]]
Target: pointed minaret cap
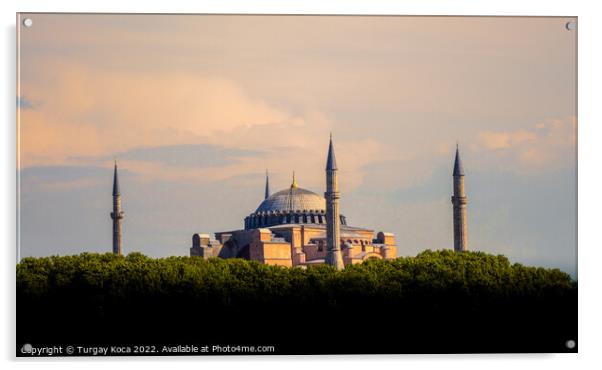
[[458, 168], [115, 181], [267, 185], [331, 161]]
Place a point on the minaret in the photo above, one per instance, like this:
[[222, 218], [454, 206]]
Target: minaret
[[267, 185], [459, 201], [117, 214], [333, 221]]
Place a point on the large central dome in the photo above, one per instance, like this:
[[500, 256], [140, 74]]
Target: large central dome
[[293, 199]]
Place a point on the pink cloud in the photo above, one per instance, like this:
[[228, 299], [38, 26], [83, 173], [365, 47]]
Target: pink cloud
[[502, 140], [545, 144]]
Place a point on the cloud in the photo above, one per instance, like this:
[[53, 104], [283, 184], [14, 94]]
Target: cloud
[[154, 81], [502, 140], [546, 145], [188, 155], [93, 112], [164, 125]]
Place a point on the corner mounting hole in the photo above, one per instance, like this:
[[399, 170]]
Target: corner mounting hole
[[570, 26]]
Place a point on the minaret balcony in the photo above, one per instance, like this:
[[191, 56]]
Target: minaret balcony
[[118, 215], [459, 201]]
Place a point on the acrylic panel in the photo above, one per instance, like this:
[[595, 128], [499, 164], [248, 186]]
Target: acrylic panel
[[295, 184]]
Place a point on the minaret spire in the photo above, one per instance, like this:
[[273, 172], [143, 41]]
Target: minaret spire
[[117, 214], [267, 185], [458, 168], [459, 201], [331, 161], [333, 220], [115, 181]]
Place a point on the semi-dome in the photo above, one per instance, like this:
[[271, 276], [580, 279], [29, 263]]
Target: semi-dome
[[293, 199]]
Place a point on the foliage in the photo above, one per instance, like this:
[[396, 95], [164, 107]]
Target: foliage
[[434, 302], [232, 281]]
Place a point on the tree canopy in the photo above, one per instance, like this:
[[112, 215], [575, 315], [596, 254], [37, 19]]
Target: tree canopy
[[437, 301]]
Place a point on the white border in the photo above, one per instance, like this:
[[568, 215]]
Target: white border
[[590, 184]]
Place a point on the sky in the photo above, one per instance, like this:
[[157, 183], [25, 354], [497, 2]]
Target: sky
[[195, 108]]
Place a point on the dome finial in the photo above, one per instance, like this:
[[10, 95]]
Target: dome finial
[[294, 185]]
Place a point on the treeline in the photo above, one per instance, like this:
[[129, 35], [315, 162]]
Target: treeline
[[443, 301], [225, 281]]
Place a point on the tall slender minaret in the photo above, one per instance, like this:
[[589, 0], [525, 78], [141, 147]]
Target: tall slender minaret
[[333, 221], [267, 185], [117, 214], [459, 201]]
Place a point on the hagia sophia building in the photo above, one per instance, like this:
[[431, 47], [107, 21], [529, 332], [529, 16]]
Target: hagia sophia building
[[297, 227]]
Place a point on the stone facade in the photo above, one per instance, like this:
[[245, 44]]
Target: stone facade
[[295, 245]]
